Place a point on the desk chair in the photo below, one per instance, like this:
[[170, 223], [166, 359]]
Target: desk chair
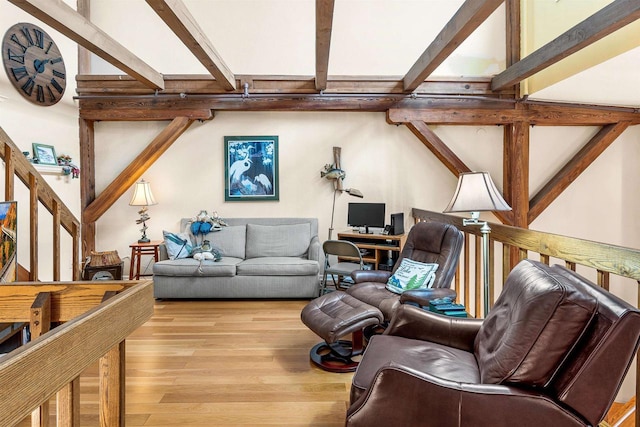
[[339, 248]]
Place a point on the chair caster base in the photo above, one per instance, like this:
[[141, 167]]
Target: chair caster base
[[326, 358]]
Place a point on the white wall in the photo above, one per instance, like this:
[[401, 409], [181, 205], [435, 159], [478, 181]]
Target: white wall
[[57, 125]]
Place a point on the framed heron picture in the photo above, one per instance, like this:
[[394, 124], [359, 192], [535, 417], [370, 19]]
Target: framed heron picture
[[8, 242], [251, 168]]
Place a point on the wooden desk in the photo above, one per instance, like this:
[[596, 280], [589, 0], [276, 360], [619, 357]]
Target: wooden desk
[[383, 250], [139, 249]]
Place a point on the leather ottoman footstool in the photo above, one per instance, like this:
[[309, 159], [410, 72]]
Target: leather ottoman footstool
[[333, 316]]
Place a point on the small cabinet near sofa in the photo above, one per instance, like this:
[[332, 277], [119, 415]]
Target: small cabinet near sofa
[[261, 258]]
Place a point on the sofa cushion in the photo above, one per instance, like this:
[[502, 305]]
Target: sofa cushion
[[277, 266], [290, 240], [532, 326], [226, 267], [230, 240]]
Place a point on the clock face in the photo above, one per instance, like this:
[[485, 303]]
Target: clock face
[[33, 64]]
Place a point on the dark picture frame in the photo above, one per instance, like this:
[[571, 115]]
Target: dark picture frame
[[45, 154], [8, 241], [251, 168]]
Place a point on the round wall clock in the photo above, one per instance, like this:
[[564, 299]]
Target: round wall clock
[[33, 64]]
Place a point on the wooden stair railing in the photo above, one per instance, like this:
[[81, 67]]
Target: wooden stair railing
[[97, 317], [600, 260], [40, 192]]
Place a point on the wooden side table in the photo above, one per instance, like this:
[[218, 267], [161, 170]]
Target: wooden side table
[[139, 249]]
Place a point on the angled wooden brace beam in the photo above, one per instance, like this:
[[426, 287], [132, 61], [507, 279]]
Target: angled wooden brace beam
[[602, 23], [175, 14], [136, 168], [324, 24], [469, 17], [574, 167], [444, 154], [79, 29]]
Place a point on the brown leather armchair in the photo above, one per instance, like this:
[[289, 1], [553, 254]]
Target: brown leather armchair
[[428, 242], [553, 351]]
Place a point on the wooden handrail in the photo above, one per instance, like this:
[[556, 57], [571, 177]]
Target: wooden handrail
[[39, 191], [33, 373]]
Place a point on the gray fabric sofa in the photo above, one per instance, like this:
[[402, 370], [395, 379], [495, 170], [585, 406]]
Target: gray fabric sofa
[[261, 258]]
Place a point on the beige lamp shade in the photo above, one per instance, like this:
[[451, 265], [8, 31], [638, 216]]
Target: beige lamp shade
[[142, 195], [476, 192]]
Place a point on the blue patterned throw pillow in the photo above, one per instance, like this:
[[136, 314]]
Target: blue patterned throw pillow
[[178, 245]]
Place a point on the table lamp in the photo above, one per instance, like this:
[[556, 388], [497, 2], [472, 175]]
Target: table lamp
[[476, 192], [142, 196]]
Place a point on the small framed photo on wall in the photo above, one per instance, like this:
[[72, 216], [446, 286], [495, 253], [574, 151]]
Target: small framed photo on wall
[[251, 168], [45, 154]]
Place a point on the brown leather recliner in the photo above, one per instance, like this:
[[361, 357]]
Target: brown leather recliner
[[428, 242], [553, 351]]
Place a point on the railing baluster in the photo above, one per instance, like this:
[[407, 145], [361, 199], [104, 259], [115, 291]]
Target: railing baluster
[[9, 172], [33, 228], [603, 279], [56, 241], [478, 276]]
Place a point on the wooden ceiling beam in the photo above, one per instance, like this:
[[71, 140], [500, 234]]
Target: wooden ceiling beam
[[549, 114], [513, 29], [448, 158], [144, 114], [469, 17], [438, 147], [136, 169], [175, 14], [324, 24], [277, 84], [602, 23], [67, 21], [574, 167]]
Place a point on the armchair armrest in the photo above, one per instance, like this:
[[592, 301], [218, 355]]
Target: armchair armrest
[[361, 276], [163, 255], [314, 249], [412, 322], [423, 296], [391, 401]]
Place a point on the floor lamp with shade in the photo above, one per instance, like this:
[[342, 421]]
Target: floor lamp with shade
[[142, 196], [476, 192]]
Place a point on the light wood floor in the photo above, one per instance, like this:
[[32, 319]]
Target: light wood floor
[[228, 363], [224, 363]]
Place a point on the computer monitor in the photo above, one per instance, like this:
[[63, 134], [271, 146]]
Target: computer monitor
[[366, 215]]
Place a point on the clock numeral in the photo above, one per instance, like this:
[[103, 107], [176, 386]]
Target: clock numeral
[[39, 38], [39, 93], [14, 39], [59, 74], [15, 57], [28, 86], [48, 47], [27, 35], [56, 60], [52, 97], [57, 86], [19, 73]]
